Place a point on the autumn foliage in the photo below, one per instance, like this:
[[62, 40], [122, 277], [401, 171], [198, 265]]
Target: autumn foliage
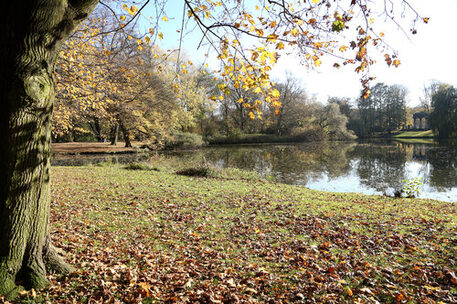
[[111, 74]]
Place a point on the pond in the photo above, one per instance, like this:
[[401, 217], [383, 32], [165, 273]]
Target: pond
[[370, 168]]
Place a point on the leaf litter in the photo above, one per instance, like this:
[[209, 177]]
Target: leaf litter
[[157, 237]]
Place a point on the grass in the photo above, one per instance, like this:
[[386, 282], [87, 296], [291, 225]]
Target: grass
[[415, 134], [412, 140], [160, 237]]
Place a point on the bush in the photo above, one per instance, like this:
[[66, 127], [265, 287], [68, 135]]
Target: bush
[[412, 187], [140, 166], [184, 140], [195, 171], [308, 134], [343, 135], [225, 173]]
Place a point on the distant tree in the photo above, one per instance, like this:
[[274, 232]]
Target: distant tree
[[293, 106], [394, 108], [384, 110], [344, 103], [427, 94], [443, 118], [330, 119]]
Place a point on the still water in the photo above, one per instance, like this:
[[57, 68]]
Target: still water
[[370, 168]]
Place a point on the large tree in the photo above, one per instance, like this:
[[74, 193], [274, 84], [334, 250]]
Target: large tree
[[443, 117], [32, 34], [384, 110]]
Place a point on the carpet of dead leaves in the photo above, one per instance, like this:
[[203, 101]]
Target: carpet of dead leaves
[[156, 237]]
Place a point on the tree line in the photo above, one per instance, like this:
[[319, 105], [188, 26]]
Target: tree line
[[118, 86]]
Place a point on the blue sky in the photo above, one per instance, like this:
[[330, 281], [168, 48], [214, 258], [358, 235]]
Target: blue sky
[[429, 55]]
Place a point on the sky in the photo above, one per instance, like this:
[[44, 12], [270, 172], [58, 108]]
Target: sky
[[428, 55]]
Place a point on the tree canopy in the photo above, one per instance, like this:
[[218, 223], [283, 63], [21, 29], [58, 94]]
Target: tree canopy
[[443, 117]]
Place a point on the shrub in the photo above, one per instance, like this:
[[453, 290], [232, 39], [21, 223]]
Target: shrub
[[184, 140], [308, 134], [140, 166], [195, 171], [412, 187], [225, 173]]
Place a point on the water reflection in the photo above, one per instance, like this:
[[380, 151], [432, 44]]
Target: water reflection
[[372, 168]]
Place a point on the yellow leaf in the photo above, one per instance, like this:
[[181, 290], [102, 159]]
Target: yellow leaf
[[164, 18], [280, 46], [160, 35], [295, 32], [132, 10], [396, 62], [122, 18], [343, 48], [257, 90]]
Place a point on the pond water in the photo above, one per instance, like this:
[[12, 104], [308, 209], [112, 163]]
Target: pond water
[[370, 168]]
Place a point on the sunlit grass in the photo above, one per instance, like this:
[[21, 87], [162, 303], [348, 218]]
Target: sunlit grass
[[296, 238]]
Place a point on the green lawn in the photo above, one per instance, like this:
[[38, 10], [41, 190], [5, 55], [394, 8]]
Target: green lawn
[[158, 237], [428, 133]]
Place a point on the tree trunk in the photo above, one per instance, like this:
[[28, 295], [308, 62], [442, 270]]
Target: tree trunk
[[114, 134], [32, 34], [126, 134], [98, 129]]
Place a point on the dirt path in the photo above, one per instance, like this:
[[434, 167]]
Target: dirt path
[[90, 147]]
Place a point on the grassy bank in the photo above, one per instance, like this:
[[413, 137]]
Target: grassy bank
[[414, 134], [154, 236]]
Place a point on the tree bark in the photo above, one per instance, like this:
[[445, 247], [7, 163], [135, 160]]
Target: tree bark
[[126, 134], [32, 34], [114, 134]]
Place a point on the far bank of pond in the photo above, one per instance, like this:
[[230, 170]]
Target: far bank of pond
[[369, 168]]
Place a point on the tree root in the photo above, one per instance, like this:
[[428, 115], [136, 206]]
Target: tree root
[[33, 273], [54, 260], [8, 287]]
